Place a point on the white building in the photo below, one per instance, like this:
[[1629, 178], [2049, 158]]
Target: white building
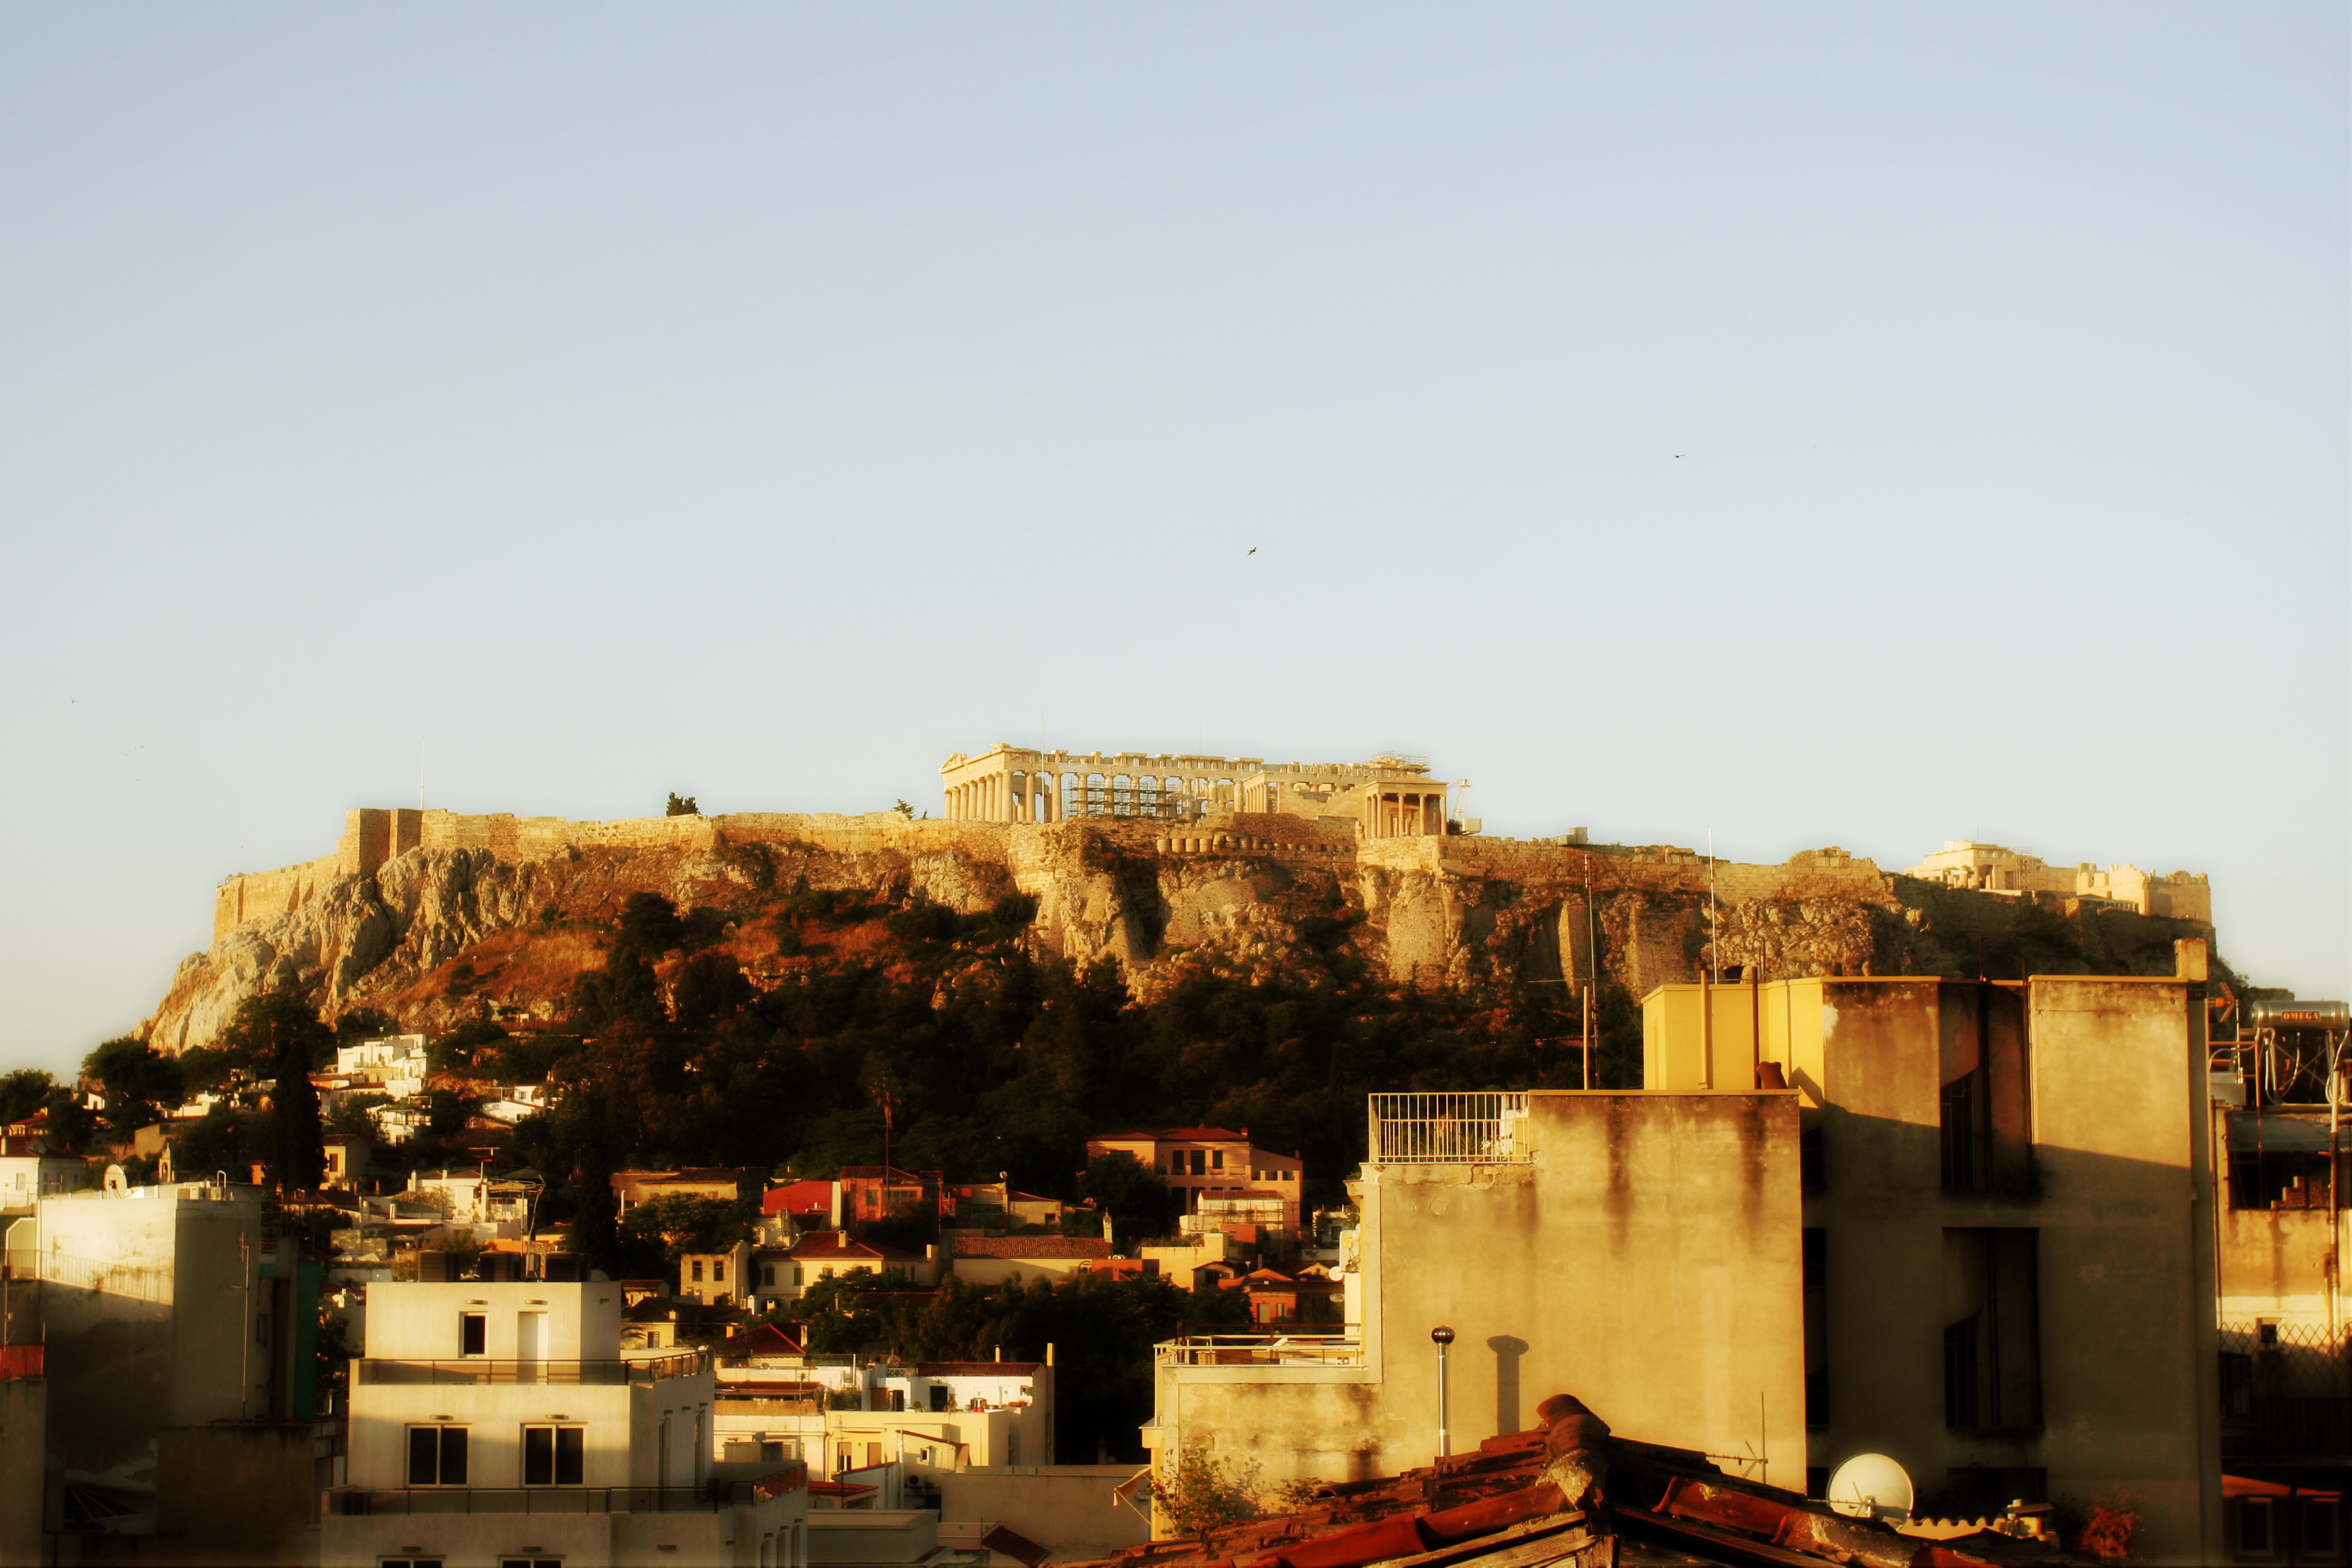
[[381, 1054], [497, 1422], [26, 1179]]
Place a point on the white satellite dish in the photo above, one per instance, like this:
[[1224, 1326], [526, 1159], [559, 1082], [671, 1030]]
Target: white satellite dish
[[1872, 1486]]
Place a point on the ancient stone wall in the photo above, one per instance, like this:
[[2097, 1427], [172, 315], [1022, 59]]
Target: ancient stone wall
[[1241, 892]]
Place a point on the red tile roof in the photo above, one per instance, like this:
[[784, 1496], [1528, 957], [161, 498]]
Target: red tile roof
[[764, 1338], [1032, 1246], [1538, 1497], [822, 1245]]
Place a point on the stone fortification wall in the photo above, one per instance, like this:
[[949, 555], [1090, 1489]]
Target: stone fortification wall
[[408, 895]]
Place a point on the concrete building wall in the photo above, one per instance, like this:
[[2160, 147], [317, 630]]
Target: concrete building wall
[[24, 1430], [2090, 1166], [247, 1492], [1068, 1508], [725, 1538], [1646, 1258], [420, 1322], [150, 1304]]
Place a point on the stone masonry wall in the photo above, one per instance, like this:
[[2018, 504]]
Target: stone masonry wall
[[407, 892]]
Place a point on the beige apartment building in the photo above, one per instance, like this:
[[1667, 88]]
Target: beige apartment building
[[1643, 1251], [1387, 797], [1218, 1178], [501, 1421], [2008, 1226], [1969, 1225]]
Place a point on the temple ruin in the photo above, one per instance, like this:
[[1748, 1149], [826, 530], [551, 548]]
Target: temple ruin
[[1387, 798]]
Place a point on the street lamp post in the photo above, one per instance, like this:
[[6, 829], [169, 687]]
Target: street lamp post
[[1442, 1336]]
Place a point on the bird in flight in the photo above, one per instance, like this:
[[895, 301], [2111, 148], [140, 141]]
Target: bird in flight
[[1253, 550]]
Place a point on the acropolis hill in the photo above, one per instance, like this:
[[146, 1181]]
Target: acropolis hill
[[1158, 863]]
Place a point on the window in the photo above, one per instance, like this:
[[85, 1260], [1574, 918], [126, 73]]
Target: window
[[531, 1562], [1992, 1352], [799, 1275], [2254, 1527], [1812, 1166], [554, 1455], [473, 1333], [1817, 1333], [1216, 1159], [437, 1455], [718, 1271], [2319, 1531], [767, 1276], [873, 1454], [695, 1271]]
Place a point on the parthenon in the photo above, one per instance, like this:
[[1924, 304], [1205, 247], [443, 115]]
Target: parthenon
[[1387, 797]]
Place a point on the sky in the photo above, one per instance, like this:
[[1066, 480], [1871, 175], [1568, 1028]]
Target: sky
[[1806, 423]]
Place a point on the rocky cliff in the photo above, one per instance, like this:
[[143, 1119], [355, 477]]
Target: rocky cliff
[[431, 934]]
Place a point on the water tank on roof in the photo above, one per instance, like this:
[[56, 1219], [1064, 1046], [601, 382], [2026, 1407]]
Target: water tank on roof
[[2331, 1015]]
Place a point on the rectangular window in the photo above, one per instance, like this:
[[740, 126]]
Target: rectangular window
[[2319, 1529], [526, 1562], [437, 1455], [554, 1455], [473, 1333], [1216, 1159], [1812, 1166], [799, 1278], [718, 1271], [1992, 1350], [767, 1276], [2254, 1527], [695, 1268], [1200, 1162], [1817, 1327], [1960, 1134]]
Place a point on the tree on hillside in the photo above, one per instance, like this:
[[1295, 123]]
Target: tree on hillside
[[281, 1035], [659, 1230], [141, 1084], [650, 926], [72, 1124], [364, 1023], [710, 986], [23, 1093], [682, 805], [454, 1052], [1137, 1198]]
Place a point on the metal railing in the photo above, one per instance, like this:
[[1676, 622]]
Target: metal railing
[[709, 1498], [478, 1371], [1260, 1350], [1449, 1127]]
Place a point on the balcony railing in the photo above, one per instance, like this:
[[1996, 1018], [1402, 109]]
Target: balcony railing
[[1453, 1127], [1260, 1350], [473, 1370], [709, 1498]]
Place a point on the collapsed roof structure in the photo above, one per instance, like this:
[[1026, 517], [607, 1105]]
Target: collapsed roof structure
[[1568, 1494]]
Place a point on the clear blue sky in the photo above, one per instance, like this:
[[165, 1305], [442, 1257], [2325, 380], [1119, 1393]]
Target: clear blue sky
[[1851, 425]]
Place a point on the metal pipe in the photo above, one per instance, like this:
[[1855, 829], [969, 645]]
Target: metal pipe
[[1444, 1337]]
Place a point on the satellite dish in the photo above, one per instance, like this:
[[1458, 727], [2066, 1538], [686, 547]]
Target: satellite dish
[[1871, 1486]]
